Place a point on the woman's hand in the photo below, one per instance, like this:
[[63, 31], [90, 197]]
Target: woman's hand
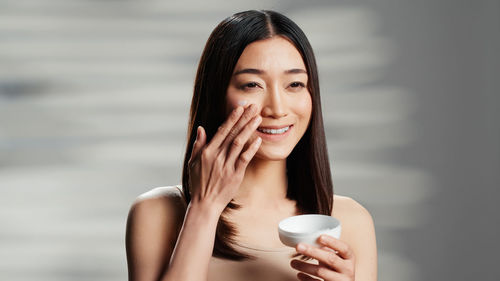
[[332, 266], [217, 168]]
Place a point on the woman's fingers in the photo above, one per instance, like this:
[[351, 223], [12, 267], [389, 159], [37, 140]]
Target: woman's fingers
[[305, 277], [201, 138], [323, 256], [320, 271], [245, 157], [225, 128], [337, 245], [241, 139], [247, 116]]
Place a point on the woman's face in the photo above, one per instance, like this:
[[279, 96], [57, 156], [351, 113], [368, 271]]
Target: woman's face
[[271, 74]]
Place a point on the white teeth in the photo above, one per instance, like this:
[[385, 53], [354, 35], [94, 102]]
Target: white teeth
[[274, 131]]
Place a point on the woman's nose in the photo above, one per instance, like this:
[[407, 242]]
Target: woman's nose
[[274, 104]]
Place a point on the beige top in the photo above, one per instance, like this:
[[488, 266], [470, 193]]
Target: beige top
[[270, 264]]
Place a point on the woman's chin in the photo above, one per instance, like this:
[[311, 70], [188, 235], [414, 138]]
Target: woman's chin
[[272, 154]]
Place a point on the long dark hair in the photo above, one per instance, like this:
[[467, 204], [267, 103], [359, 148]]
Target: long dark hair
[[308, 168]]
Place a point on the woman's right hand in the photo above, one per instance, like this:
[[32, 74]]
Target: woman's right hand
[[216, 169]]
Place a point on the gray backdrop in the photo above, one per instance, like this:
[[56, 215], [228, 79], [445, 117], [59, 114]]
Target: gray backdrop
[[94, 98]]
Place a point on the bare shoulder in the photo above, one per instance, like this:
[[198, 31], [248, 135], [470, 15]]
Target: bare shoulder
[[162, 192], [358, 231], [353, 216], [153, 224], [158, 205], [346, 207]]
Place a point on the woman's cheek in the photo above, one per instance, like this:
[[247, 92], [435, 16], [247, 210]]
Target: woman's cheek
[[304, 106], [234, 100]]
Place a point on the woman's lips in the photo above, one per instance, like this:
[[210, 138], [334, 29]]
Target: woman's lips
[[274, 133]]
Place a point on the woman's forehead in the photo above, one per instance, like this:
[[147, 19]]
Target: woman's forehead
[[275, 53]]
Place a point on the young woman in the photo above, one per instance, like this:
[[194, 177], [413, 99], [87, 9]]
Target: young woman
[[256, 154]]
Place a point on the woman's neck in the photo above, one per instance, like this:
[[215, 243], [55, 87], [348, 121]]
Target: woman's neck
[[264, 183]]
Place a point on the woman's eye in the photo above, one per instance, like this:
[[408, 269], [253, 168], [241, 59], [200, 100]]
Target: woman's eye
[[250, 85], [297, 85]]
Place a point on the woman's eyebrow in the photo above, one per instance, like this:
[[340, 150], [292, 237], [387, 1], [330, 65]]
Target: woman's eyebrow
[[295, 71], [259, 71]]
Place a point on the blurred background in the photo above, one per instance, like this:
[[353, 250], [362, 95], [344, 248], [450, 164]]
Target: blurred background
[[94, 100]]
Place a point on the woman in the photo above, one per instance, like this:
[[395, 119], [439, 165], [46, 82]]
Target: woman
[[256, 154]]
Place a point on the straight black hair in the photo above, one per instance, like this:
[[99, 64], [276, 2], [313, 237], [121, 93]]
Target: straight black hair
[[308, 168]]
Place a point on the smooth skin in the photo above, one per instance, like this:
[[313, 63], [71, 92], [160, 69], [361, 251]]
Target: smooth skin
[[165, 239]]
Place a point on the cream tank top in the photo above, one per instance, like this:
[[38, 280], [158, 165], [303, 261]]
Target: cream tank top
[[268, 265]]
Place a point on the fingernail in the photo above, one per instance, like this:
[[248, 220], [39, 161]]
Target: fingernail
[[257, 120], [258, 141], [301, 247], [242, 102]]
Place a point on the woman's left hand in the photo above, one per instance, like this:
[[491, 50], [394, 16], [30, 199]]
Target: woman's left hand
[[332, 266]]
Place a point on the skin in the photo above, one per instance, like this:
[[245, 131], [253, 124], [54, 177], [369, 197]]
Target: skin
[[242, 164], [281, 99]]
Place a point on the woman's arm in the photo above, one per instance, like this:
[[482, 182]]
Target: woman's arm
[[216, 172], [153, 224], [364, 242], [191, 256]]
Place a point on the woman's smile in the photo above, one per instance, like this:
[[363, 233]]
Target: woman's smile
[[276, 133]]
